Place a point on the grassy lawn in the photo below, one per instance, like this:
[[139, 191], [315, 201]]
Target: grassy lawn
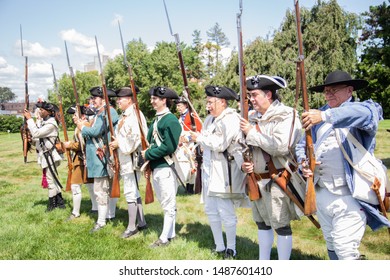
[[28, 233]]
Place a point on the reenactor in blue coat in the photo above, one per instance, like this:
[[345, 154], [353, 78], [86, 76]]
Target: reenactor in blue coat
[[98, 159]]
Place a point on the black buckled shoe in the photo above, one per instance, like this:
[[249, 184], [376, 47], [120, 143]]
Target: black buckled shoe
[[142, 227], [128, 233], [52, 204], [60, 201], [170, 239], [230, 254]]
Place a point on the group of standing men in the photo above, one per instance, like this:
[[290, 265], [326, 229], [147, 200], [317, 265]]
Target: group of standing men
[[272, 132]]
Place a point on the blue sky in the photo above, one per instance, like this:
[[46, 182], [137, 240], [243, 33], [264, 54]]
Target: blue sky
[[47, 23]]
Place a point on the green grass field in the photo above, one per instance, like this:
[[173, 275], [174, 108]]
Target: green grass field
[[28, 233]]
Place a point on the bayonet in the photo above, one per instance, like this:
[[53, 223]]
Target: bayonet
[[76, 95]]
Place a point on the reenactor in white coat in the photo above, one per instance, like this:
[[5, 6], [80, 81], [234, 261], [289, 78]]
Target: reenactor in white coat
[[223, 183], [128, 142]]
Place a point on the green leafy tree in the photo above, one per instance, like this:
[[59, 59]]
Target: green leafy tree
[[84, 82], [159, 67], [6, 94], [216, 40], [198, 67], [329, 39], [375, 58]]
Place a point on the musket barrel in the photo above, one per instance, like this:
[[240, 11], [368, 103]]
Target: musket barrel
[[76, 95]]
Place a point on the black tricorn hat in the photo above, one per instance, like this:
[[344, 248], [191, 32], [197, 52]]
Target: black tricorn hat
[[84, 110], [98, 92], [163, 92], [339, 77], [221, 92], [181, 100], [265, 82], [126, 91], [50, 107]]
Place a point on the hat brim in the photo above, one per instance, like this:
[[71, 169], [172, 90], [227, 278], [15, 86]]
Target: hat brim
[[356, 84]]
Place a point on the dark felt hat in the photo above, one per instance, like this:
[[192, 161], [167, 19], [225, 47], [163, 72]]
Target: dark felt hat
[[181, 100], [163, 92], [50, 107], [339, 77], [126, 91], [84, 110], [98, 92], [265, 82], [221, 92]]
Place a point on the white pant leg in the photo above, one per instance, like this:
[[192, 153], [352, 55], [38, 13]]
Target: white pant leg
[[92, 196], [343, 223], [77, 196], [229, 221], [130, 190], [165, 186], [53, 187], [211, 210], [112, 207], [101, 188], [102, 191]]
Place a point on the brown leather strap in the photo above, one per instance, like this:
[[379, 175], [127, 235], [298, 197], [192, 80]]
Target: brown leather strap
[[260, 176]]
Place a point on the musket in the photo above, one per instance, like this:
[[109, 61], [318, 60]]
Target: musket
[[115, 191], [251, 183], [244, 107], [77, 111], [24, 129], [76, 95], [149, 196], [310, 198], [62, 118], [198, 181]]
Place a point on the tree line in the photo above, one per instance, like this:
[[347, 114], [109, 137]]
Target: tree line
[[333, 39]]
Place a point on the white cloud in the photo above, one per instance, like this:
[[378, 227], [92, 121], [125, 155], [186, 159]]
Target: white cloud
[[7, 70], [115, 52], [36, 50], [40, 69], [82, 44], [3, 62]]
